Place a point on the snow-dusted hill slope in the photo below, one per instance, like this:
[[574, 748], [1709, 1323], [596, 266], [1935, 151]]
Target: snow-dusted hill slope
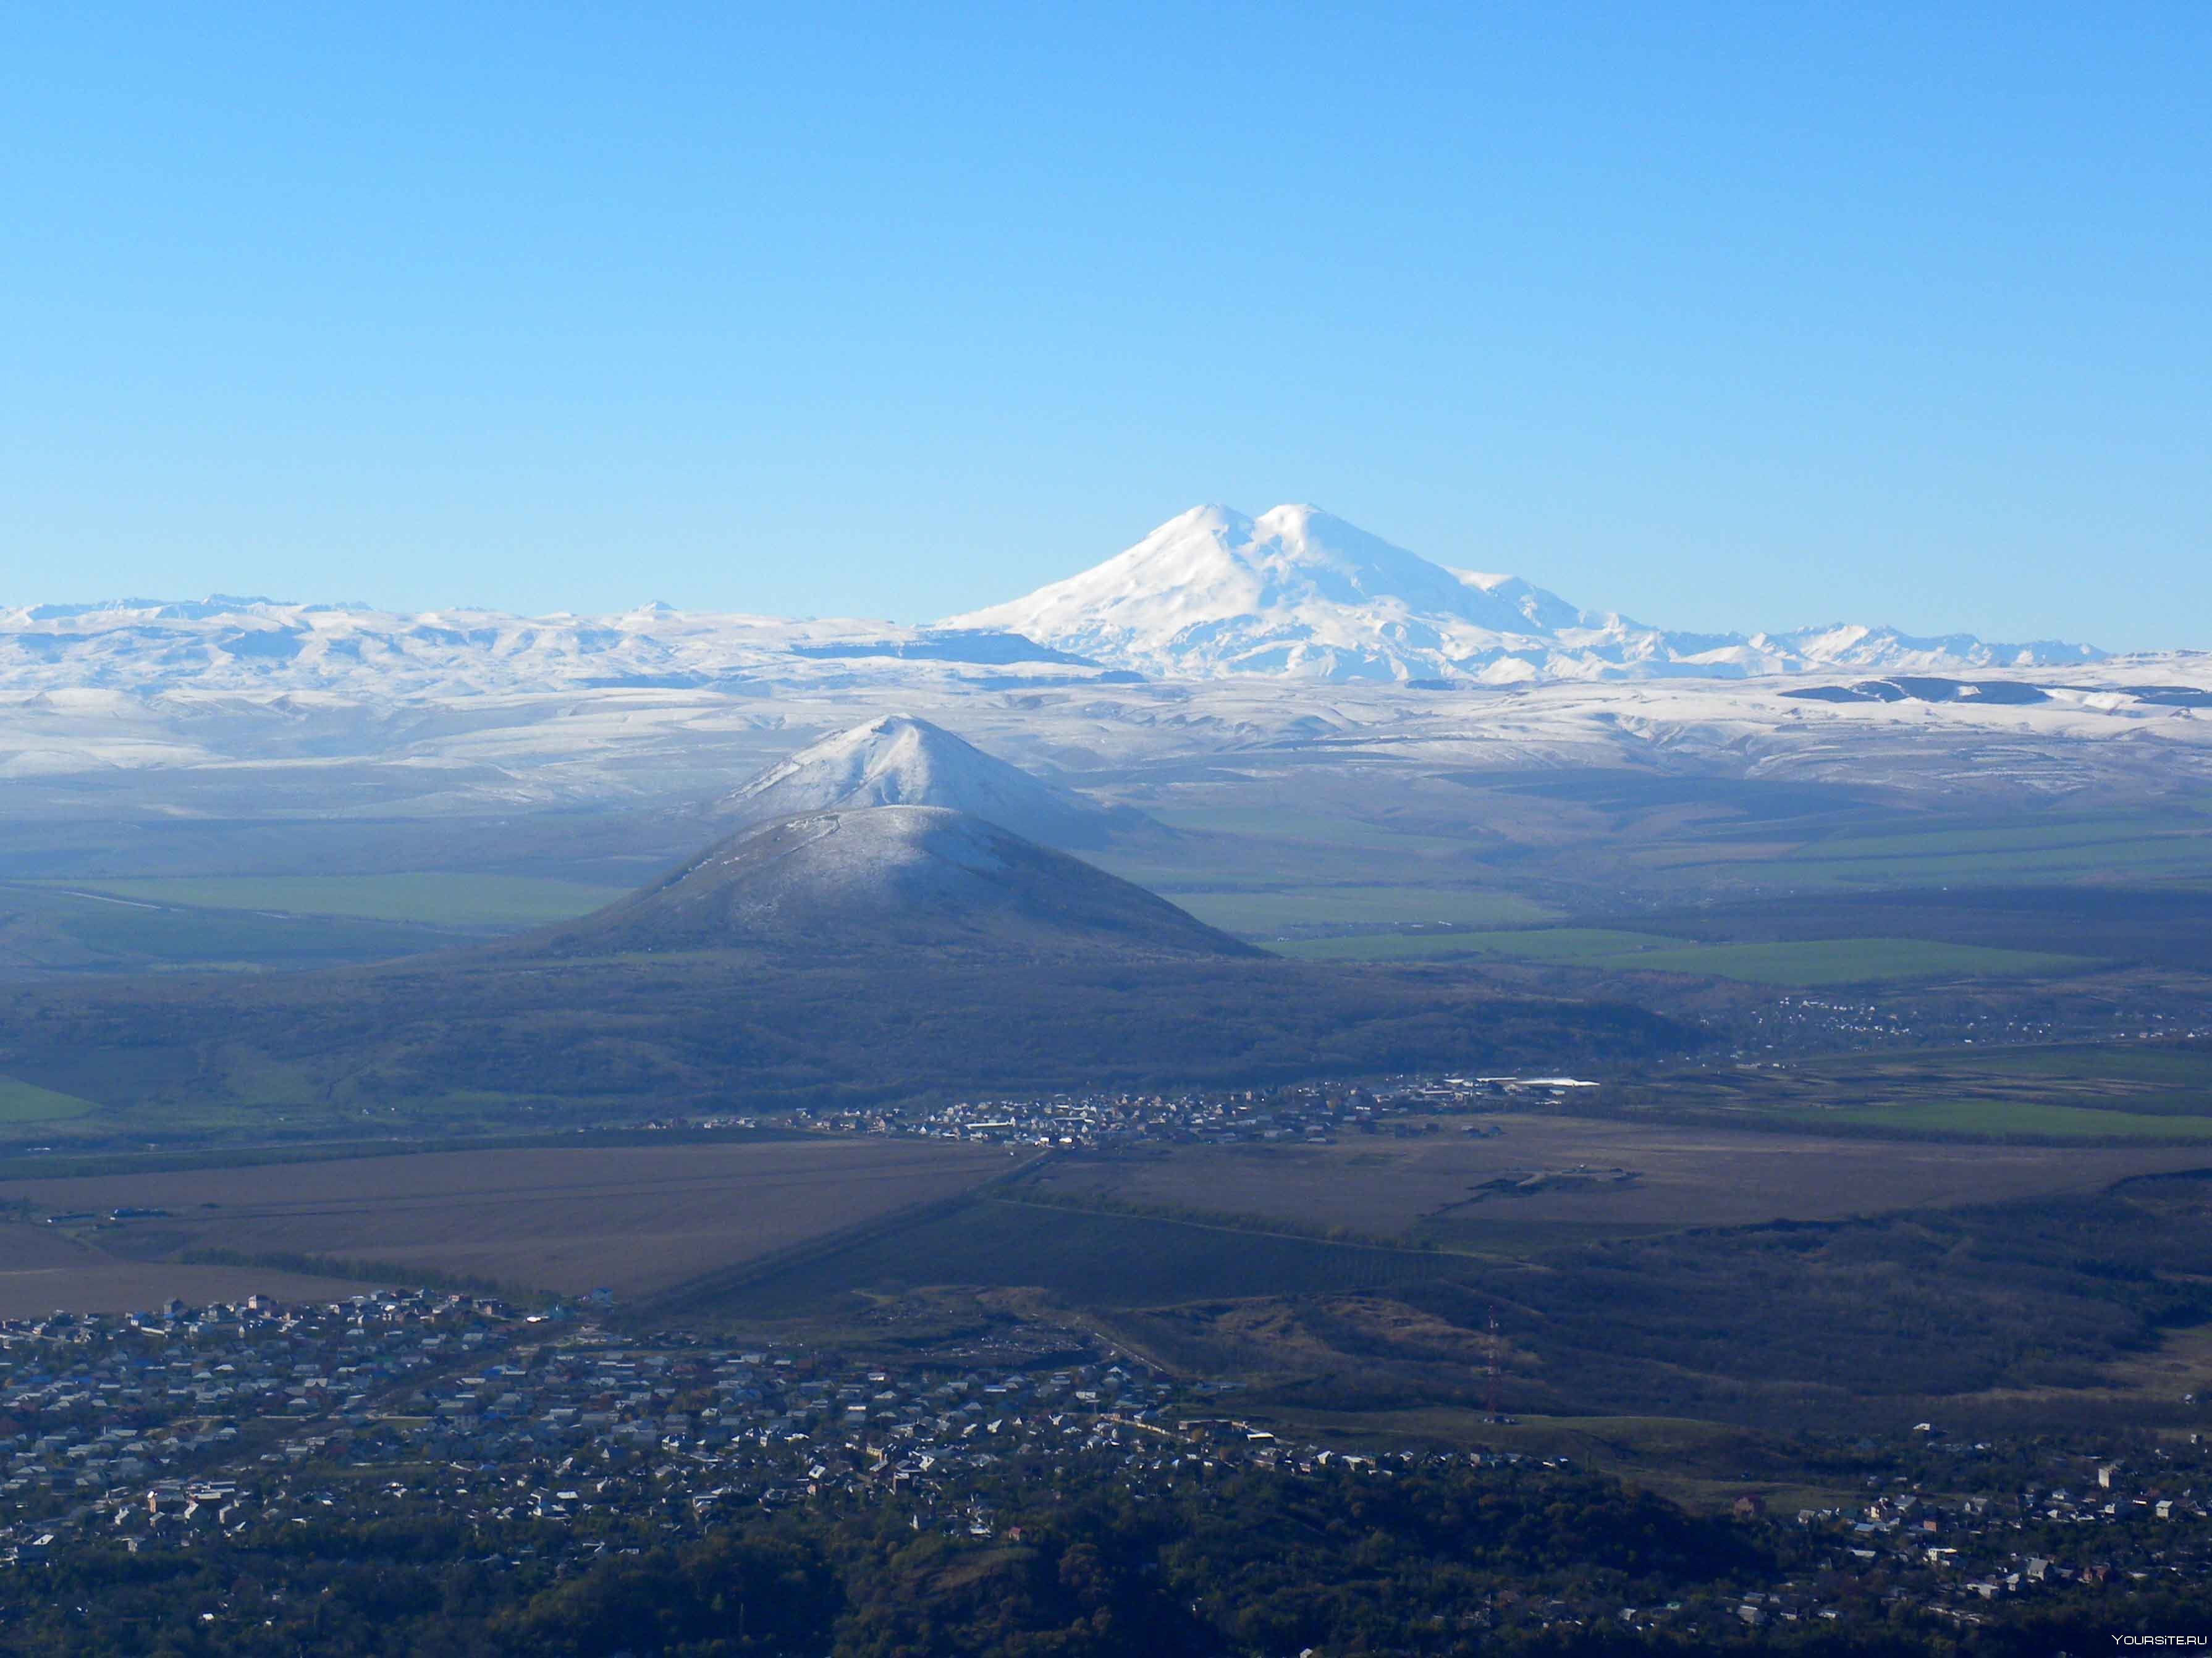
[[861, 881], [1298, 592], [2130, 728], [899, 759]]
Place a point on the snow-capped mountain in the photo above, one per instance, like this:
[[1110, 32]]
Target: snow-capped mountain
[[898, 759], [1298, 592]]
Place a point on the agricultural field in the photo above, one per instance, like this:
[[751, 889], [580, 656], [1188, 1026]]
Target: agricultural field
[[1817, 963], [2159, 848], [20, 1102], [1262, 869], [635, 1219], [1604, 946], [2001, 1120], [436, 898], [1439, 1186], [1262, 914], [1113, 1260], [2156, 925], [1838, 845], [2080, 1092], [42, 1269], [1804, 964], [276, 921], [77, 930]]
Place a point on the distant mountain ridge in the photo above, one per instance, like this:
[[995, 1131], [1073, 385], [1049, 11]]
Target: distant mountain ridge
[[1299, 592], [1295, 593], [152, 648]]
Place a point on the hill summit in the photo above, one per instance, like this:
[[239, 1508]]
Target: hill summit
[[875, 879], [900, 760]]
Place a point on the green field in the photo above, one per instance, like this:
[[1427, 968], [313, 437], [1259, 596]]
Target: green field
[[1804, 963], [2187, 1071], [1257, 914], [77, 930], [1269, 822], [1262, 868], [440, 899], [2167, 846], [1562, 944], [1817, 961], [1999, 1119], [2119, 1090], [22, 1103]]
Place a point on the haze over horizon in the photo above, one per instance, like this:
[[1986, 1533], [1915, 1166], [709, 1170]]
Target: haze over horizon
[[1727, 320]]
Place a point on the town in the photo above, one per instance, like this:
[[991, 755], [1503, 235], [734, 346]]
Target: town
[[1312, 1113], [237, 1423]]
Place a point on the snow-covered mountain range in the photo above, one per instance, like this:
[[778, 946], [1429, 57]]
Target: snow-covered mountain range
[[1299, 592], [226, 644], [1291, 641], [1294, 593]]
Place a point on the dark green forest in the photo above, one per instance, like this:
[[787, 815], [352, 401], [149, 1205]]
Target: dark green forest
[[1427, 1561]]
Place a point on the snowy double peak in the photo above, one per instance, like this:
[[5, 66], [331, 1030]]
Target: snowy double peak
[[898, 759], [1298, 592]]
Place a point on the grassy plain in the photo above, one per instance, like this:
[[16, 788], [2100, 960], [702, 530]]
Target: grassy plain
[[2123, 1090], [2056, 852], [1106, 1259], [1822, 962], [1262, 914], [20, 1102], [1436, 1186], [81, 931], [1999, 1119], [1563, 945], [1804, 963], [31, 1287], [636, 1218], [439, 898]]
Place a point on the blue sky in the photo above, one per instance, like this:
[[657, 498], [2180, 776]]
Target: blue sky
[[1725, 316]]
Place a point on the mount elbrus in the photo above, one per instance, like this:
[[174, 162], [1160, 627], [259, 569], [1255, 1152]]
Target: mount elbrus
[[1297, 591]]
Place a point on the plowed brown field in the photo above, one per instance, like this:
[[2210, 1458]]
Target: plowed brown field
[[632, 1219]]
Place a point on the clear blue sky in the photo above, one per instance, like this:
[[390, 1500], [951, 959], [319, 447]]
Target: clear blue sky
[[1723, 316]]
